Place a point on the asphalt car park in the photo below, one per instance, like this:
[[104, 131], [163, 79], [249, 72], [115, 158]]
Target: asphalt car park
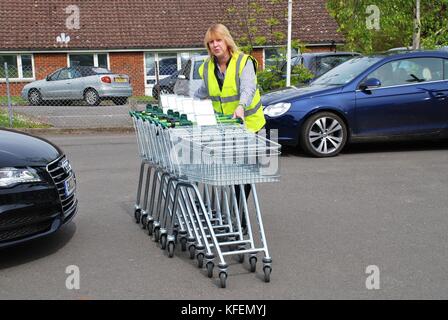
[[326, 221]]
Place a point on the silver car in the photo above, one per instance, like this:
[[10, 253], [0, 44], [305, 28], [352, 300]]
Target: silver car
[[90, 84], [189, 80]]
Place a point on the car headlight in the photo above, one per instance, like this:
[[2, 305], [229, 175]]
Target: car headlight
[[276, 110], [11, 176]]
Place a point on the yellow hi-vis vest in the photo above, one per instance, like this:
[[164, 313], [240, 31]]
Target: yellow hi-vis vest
[[226, 101]]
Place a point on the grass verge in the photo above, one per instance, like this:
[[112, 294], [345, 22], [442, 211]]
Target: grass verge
[[20, 121]]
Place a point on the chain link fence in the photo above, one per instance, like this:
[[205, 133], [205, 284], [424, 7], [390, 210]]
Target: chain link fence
[[75, 97]]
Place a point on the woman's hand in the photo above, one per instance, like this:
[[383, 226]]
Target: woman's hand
[[239, 112]]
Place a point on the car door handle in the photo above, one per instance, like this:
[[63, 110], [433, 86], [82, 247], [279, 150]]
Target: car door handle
[[434, 95]]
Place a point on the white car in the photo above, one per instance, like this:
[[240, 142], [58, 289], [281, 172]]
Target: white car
[[188, 80], [90, 84]]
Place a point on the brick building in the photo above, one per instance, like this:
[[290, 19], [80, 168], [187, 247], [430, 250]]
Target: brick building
[[128, 36]]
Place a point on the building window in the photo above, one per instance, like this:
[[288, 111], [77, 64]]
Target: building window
[[169, 63], [89, 60], [20, 66]]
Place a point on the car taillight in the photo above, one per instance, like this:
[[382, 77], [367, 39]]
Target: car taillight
[[106, 79]]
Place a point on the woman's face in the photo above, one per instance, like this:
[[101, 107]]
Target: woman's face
[[218, 47]]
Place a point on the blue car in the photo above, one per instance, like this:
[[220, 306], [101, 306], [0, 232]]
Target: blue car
[[366, 98]]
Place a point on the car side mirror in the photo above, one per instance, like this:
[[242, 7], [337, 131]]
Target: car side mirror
[[47, 78], [370, 83], [181, 77]]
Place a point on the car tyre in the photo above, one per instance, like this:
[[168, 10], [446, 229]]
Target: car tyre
[[91, 97], [324, 134], [34, 97], [120, 101]]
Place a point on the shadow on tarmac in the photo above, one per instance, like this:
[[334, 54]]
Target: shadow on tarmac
[[36, 249]]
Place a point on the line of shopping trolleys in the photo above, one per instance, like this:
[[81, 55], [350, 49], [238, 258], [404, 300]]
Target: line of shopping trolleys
[[193, 186]]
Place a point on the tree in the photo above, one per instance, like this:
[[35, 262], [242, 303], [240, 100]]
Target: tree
[[259, 23], [396, 23]]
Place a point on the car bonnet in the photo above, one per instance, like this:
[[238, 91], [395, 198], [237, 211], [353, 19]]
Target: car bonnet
[[22, 150]]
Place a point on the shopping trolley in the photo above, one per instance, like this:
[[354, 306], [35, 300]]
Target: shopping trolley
[[194, 190]]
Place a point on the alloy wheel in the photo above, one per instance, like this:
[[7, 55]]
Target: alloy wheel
[[326, 135]]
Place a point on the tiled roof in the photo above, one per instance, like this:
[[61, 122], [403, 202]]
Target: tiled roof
[[127, 24]]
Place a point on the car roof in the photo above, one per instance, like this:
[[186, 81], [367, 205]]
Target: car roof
[[412, 54], [331, 53]]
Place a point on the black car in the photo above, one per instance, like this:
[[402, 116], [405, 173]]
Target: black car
[[166, 85], [37, 188], [320, 62]]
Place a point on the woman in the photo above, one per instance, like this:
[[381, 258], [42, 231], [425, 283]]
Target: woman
[[229, 80]]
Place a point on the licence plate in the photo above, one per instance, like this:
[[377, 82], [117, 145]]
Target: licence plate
[[121, 80], [69, 186]]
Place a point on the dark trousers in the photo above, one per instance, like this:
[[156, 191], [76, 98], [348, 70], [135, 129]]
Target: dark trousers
[[247, 189]]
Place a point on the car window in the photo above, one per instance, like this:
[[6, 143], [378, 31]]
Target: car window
[[54, 75], [326, 63], [408, 71], [73, 73], [445, 69], [167, 66], [64, 74], [197, 64]]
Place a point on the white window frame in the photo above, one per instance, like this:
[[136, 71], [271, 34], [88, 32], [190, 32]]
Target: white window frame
[[95, 58], [19, 68]]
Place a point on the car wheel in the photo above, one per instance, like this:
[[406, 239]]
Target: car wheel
[[120, 101], [323, 135], [34, 97], [91, 97]]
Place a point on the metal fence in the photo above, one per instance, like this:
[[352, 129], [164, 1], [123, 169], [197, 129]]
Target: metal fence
[[77, 97]]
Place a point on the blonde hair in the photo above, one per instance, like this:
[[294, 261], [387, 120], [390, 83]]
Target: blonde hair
[[220, 31]]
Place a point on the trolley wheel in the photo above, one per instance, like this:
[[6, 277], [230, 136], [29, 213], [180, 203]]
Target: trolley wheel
[[183, 244], [144, 221], [156, 234], [149, 227], [210, 265], [222, 279], [137, 215], [171, 247], [240, 257], [192, 250], [253, 264], [200, 260], [267, 273], [163, 241]]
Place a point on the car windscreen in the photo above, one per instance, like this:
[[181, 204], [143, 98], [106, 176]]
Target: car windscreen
[[346, 71]]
